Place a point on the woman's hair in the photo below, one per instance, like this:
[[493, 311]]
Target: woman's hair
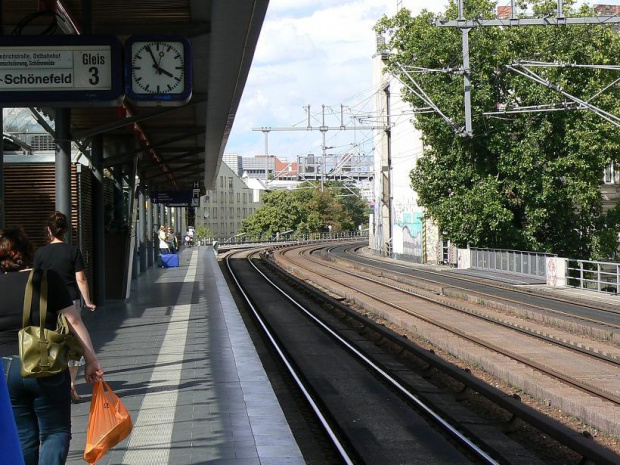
[[16, 250], [58, 225]]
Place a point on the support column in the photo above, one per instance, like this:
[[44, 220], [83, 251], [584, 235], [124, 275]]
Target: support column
[[63, 165], [142, 226], [119, 201], [149, 228], [98, 221], [2, 170]]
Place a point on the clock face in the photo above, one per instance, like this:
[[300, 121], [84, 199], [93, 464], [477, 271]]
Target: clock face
[[158, 67]]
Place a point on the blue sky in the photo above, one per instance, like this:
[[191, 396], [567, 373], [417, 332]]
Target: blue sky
[[314, 52], [310, 52]]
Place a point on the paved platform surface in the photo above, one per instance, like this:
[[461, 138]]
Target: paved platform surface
[[180, 358]]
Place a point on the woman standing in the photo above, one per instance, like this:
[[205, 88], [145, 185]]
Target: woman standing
[[164, 247], [66, 260], [42, 406]]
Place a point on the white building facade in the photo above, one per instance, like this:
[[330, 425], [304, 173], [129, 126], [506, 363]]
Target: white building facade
[[398, 227]]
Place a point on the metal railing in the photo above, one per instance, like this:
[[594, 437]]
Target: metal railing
[[319, 236], [510, 261], [593, 275]]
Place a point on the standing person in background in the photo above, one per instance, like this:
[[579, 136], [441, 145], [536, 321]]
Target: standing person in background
[[66, 260], [164, 248], [172, 241], [41, 406]]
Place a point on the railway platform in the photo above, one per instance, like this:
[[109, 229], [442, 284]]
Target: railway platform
[[180, 358]]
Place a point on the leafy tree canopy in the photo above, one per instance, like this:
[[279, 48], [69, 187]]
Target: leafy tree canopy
[[524, 180], [308, 210], [202, 232]]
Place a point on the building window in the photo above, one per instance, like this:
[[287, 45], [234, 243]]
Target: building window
[[609, 176], [230, 183], [245, 197], [238, 197]]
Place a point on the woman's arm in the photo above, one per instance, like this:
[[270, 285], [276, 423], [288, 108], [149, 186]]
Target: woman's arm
[[93, 370], [82, 283]]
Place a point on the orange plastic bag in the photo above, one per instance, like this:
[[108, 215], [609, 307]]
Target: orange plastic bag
[[108, 422]]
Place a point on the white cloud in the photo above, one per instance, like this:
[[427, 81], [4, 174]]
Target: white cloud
[[310, 52]]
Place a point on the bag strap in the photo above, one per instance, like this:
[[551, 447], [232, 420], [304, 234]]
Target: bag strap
[[27, 301], [42, 312]]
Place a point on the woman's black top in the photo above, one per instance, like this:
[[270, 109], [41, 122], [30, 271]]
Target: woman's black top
[[64, 259], [12, 289]]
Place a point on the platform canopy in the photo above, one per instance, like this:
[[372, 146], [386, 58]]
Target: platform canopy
[[176, 146]]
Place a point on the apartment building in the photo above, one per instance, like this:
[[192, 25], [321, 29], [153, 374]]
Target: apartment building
[[224, 208]]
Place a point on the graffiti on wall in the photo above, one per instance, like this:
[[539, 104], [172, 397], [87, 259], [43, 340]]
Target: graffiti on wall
[[408, 235]]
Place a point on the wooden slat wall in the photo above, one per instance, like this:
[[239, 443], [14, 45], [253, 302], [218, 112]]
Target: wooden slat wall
[[84, 191], [30, 196], [29, 191]]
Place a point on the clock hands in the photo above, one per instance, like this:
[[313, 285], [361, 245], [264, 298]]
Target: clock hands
[[156, 63], [162, 70]]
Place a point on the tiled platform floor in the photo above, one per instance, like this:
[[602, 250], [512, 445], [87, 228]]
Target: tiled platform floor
[[180, 358]]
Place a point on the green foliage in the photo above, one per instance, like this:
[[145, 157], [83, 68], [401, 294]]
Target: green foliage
[[527, 180], [202, 232], [308, 210]]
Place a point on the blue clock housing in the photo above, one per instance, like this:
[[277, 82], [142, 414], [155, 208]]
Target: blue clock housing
[[158, 70]]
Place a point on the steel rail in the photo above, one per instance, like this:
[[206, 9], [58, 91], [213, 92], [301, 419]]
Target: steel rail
[[526, 361], [506, 299], [387, 377], [570, 438], [300, 384]]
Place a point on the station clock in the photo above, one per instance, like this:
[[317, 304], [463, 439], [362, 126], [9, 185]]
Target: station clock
[[158, 70]]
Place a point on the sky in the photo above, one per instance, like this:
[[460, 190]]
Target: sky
[[314, 53]]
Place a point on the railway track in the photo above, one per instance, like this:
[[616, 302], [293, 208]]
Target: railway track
[[369, 414], [607, 389], [517, 410], [605, 316], [592, 374]]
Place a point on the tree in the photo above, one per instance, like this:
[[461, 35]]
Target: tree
[[202, 232], [529, 180], [307, 210]]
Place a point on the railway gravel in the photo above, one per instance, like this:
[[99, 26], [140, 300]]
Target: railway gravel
[[583, 412]]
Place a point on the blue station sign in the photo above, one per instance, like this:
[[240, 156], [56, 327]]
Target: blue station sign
[[60, 71], [172, 198]]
